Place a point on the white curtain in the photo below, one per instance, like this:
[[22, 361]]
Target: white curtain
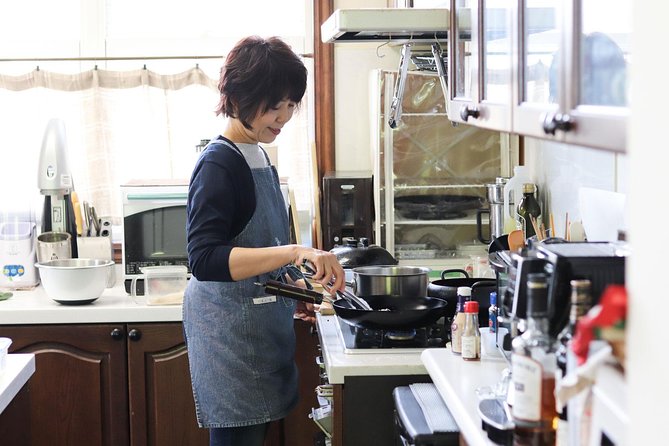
[[121, 126]]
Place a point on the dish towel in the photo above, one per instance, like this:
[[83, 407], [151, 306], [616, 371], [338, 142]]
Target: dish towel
[[437, 415]]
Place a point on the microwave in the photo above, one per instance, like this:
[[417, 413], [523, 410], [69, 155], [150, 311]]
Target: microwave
[[154, 227]]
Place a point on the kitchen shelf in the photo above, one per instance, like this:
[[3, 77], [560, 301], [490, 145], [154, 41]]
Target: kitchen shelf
[[428, 159]]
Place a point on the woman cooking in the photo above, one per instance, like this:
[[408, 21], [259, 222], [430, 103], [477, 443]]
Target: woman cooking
[[241, 342]]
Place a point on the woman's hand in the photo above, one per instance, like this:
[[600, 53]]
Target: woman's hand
[[327, 269], [306, 311]]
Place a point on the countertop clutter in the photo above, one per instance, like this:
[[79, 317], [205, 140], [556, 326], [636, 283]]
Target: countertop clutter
[[115, 305]]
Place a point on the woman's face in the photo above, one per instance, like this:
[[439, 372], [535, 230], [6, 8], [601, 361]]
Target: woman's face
[[267, 126]]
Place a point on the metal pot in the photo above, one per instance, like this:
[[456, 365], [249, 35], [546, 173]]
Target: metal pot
[[354, 253], [390, 281], [447, 289]]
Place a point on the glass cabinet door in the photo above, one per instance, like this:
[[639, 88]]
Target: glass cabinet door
[[598, 96], [538, 66], [462, 61], [481, 63], [496, 59]]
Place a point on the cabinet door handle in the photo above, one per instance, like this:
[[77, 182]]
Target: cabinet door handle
[[117, 334], [467, 112], [135, 335], [557, 121]]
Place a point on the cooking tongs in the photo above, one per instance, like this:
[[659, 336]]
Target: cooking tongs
[[396, 104], [313, 297], [294, 292]]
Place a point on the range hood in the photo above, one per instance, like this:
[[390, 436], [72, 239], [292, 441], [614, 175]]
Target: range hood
[[399, 25]]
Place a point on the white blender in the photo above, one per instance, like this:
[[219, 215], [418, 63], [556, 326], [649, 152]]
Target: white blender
[[55, 183]]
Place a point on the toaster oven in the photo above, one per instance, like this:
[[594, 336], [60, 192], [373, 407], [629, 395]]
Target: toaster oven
[[154, 227]]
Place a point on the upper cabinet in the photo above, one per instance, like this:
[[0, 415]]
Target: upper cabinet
[[480, 60], [551, 69]]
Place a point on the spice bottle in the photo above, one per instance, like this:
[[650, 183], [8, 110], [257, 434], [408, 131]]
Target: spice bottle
[[471, 337], [464, 295], [533, 372], [528, 209], [581, 302]]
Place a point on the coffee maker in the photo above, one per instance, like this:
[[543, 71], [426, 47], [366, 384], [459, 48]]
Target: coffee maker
[[603, 263], [55, 183]]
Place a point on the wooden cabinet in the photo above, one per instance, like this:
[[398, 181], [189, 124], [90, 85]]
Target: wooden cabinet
[[128, 384], [108, 384]]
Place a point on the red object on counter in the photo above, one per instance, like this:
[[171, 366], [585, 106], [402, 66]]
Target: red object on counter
[[611, 311]]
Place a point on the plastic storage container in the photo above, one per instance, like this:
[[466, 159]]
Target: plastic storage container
[[163, 285]]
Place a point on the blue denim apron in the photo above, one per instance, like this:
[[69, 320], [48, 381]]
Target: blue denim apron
[[241, 343]]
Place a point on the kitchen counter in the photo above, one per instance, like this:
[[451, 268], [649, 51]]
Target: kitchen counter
[[114, 305], [339, 364], [457, 381], [18, 369]]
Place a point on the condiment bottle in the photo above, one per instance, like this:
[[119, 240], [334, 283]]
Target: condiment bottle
[[492, 312], [471, 337], [533, 371], [581, 301], [464, 295], [527, 210]]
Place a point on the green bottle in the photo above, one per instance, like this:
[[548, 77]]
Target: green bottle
[[528, 209]]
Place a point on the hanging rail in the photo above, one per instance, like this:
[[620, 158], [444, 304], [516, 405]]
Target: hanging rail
[[103, 59]]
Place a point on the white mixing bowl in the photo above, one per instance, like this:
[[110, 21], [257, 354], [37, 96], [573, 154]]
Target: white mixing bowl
[[74, 281]]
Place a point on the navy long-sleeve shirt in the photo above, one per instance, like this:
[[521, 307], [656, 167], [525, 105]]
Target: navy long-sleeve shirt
[[221, 201]]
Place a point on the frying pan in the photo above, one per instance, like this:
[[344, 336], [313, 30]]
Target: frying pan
[[387, 313], [392, 312]]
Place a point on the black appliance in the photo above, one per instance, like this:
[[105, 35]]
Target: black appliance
[[348, 208], [411, 427], [363, 340], [603, 263]]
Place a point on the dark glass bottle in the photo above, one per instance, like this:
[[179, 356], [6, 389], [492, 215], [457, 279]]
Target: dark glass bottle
[[581, 301], [528, 209], [533, 372]]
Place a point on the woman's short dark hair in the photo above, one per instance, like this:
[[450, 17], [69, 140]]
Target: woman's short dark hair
[[259, 73]]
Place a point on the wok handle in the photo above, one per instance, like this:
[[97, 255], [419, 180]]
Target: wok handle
[[446, 271], [293, 292]]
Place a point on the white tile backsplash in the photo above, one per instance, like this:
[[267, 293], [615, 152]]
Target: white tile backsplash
[[560, 170]]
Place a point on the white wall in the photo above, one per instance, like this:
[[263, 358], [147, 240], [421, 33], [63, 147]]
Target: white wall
[[353, 63], [648, 363]]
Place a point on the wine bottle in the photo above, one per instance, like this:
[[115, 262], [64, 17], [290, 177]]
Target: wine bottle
[[580, 304], [533, 371]]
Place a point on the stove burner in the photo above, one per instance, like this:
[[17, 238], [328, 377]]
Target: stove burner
[[364, 339], [403, 335]]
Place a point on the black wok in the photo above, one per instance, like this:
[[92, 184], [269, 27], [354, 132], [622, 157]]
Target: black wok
[[392, 312], [447, 289]]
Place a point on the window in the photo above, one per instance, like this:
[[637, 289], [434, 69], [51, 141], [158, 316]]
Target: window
[[151, 129]]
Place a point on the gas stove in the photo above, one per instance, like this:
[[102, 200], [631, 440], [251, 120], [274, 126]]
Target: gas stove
[[367, 341]]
